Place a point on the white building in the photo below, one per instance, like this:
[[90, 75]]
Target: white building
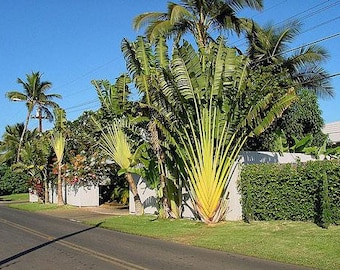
[[333, 131]]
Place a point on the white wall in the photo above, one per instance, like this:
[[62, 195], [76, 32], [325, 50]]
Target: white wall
[[77, 195], [234, 212], [147, 196]]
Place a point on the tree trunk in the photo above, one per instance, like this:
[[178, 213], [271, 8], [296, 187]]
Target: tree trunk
[[139, 209], [60, 194], [165, 211], [23, 134], [40, 119], [45, 188]]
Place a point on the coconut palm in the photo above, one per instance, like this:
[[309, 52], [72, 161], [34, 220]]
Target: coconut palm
[[270, 46], [9, 144], [34, 95], [198, 17]]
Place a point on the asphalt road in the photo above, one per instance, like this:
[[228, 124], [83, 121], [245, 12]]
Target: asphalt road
[[37, 241]]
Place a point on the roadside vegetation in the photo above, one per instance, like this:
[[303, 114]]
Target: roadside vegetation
[[36, 207], [15, 197]]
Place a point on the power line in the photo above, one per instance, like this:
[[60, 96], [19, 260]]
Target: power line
[[71, 109], [300, 19], [311, 43], [81, 110], [320, 24], [309, 9], [83, 104], [287, 51], [87, 73]]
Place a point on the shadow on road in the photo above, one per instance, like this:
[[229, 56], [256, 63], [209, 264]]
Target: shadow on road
[[16, 256]]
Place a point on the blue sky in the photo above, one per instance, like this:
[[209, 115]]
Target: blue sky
[[73, 42]]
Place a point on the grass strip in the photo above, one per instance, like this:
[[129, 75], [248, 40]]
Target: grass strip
[[15, 197], [36, 207], [300, 243]]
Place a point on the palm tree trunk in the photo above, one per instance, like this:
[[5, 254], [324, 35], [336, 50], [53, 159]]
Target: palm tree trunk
[[40, 119], [165, 211], [23, 134], [45, 187], [60, 194], [139, 209]]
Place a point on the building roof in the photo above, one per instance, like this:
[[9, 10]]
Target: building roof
[[333, 131]]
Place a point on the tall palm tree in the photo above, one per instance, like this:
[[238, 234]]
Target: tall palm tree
[[198, 17], [34, 95], [270, 46]]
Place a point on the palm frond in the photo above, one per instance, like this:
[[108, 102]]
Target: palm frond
[[58, 143], [144, 19], [276, 111], [161, 53], [115, 145]]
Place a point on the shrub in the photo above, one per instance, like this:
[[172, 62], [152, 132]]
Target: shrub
[[12, 182], [299, 192]]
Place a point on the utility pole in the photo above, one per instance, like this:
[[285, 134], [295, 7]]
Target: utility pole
[[40, 117]]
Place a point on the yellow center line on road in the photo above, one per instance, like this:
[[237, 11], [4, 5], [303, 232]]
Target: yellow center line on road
[[91, 252]]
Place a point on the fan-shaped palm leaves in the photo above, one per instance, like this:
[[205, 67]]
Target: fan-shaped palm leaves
[[116, 146], [206, 108], [218, 121], [58, 142]]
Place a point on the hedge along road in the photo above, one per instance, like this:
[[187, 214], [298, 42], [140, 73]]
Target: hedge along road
[[37, 241]]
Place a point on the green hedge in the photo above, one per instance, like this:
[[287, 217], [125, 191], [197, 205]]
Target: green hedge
[[302, 192], [12, 182]]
